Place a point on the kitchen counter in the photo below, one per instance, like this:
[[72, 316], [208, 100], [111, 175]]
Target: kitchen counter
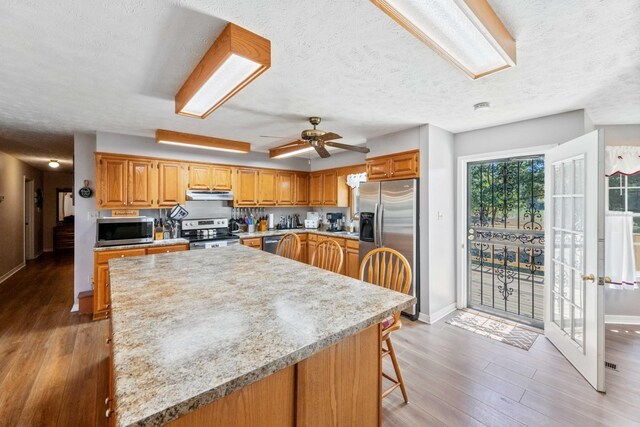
[[154, 244], [212, 322], [340, 234]]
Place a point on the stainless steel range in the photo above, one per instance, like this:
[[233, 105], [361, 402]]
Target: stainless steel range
[[207, 233]]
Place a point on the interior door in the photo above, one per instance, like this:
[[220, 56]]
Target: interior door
[[574, 265]]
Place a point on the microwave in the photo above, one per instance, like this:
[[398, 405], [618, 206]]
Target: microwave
[[124, 231]]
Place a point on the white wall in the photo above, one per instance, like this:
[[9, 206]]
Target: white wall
[[338, 159], [397, 142], [617, 302], [143, 146], [84, 168]]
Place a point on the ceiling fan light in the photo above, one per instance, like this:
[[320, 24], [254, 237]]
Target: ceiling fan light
[[467, 33], [234, 60], [54, 164], [200, 141]]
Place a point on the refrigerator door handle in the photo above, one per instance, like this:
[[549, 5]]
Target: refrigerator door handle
[[375, 227], [380, 222]]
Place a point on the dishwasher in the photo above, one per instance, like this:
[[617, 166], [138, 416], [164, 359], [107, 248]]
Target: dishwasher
[[269, 244]]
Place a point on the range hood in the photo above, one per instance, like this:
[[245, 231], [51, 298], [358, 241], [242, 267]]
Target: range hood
[[209, 195]]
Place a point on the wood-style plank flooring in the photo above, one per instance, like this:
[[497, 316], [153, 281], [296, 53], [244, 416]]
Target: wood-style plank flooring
[[53, 368]]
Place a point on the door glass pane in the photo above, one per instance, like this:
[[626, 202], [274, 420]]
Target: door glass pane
[[578, 251], [578, 325], [557, 276], [578, 170], [566, 316], [567, 178], [556, 314], [557, 212], [567, 212], [557, 179], [567, 248], [577, 288], [566, 282], [578, 213], [557, 246]]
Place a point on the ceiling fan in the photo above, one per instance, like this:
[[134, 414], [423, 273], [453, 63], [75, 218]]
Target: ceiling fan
[[313, 139]]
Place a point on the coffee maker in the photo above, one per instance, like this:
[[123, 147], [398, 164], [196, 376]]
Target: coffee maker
[[335, 221]]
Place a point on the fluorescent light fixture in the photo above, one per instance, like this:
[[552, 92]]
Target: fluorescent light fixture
[[235, 59], [54, 164], [294, 150], [467, 33], [199, 141]]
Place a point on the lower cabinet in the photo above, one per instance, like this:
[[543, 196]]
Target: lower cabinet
[[350, 251], [304, 248], [101, 285], [352, 259]]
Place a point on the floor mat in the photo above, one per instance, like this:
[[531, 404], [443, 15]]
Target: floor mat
[[494, 328]]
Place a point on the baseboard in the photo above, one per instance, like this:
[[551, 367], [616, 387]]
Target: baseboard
[[75, 307], [431, 319], [622, 320], [12, 272]]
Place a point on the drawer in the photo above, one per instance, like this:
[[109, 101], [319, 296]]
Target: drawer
[[107, 255], [313, 237], [303, 236], [341, 241], [353, 244], [166, 249], [255, 242]]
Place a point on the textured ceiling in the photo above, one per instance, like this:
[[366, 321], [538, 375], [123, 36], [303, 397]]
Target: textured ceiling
[[115, 65]]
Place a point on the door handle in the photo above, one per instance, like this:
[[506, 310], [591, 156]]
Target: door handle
[[380, 218], [375, 227], [589, 278]]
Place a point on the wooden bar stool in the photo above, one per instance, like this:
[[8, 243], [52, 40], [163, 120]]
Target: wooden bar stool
[[289, 246], [390, 269], [328, 255]]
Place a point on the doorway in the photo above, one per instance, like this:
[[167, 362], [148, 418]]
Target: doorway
[[505, 238], [29, 218]]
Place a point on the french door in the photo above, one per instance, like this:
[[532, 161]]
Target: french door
[[574, 244], [505, 238]]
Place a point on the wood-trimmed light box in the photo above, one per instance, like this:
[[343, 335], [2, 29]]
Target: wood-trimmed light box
[[200, 141], [234, 60], [467, 33]]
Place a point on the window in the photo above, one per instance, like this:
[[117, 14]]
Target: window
[[624, 195]]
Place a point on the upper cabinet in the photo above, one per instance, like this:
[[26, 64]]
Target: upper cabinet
[[171, 188], [246, 187], [302, 189], [285, 187], [209, 177], [267, 189], [124, 183], [395, 166], [327, 188], [315, 189]]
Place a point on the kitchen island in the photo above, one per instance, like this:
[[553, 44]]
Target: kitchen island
[[235, 336]]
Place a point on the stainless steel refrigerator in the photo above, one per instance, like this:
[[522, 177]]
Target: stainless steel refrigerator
[[389, 218]]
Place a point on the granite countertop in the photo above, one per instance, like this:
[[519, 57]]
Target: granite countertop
[[192, 327], [339, 234], [154, 244]]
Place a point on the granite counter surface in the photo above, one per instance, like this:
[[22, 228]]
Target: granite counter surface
[[338, 235], [192, 327], [154, 244]]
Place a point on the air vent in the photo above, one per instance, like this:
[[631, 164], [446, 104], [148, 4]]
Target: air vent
[[611, 366]]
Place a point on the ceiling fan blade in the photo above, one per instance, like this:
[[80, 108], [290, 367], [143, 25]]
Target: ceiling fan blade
[[322, 151], [291, 144], [329, 136], [347, 147]]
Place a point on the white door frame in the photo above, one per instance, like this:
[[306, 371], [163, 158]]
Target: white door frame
[[461, 207]]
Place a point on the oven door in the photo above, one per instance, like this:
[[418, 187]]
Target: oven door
[[213, 244]]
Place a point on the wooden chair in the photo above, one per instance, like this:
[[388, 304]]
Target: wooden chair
[[289, 246], [390, 269], [328, 255]]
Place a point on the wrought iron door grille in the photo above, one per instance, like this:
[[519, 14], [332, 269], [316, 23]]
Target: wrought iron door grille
[[506, 238]]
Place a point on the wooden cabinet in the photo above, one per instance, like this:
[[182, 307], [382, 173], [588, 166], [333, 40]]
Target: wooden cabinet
[[312, 242], [200, 177], [254, 242], [395, 166], [352, 259], [285, 187], [303, 257], [301, 189], [101, 285], [246, 190], [328, 189], [125, 183], [171, 188], [209, 177], [267, 188], [316, 189]]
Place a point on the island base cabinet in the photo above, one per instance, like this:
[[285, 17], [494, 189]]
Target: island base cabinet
[[339, 386]]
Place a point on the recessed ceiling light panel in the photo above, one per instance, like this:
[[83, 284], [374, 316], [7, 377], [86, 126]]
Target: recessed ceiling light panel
[[467, 33], [234, 60]]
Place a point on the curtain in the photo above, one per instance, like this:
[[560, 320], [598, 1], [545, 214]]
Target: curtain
[[355, 179], [624, 160], [620, 262]]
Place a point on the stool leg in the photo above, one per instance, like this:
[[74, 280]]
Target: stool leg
[[396, 367]]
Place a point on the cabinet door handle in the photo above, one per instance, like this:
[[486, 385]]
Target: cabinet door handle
[[108, 340], [108, 413]]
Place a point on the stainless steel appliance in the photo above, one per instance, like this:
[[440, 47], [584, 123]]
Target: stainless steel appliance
[[124, 231], [389, 218], [208, 233], [209, 195], [269, 244]]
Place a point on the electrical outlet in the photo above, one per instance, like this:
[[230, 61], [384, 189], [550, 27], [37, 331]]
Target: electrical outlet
[[93, 214]]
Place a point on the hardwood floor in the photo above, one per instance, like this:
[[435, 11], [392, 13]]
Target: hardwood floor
[[53, 368], [53, 364]]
